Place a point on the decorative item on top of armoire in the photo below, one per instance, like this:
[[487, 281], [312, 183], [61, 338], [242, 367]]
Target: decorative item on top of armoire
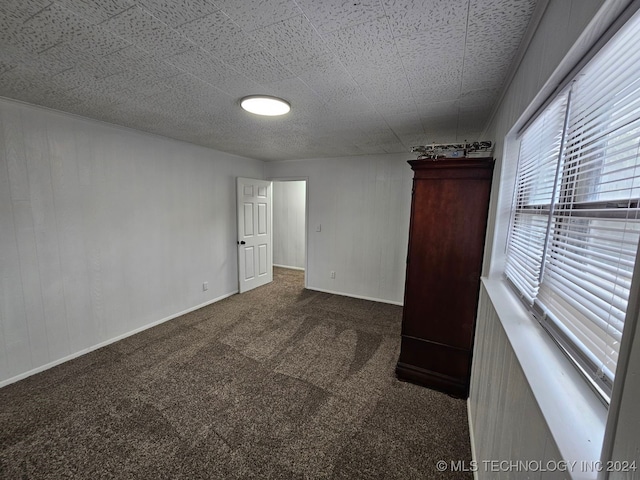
[[449, 209]]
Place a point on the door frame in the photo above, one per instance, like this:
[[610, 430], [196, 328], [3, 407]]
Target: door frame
[[306, 219]]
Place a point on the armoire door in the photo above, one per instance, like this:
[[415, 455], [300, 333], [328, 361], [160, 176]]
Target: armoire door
[[446, 244]]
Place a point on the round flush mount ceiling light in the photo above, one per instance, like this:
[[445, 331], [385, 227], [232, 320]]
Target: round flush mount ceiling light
[[265, 105]]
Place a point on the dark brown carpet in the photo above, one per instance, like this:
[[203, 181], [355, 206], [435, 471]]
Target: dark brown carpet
[[279, 382]]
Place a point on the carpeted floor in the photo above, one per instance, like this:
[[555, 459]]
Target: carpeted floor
[[279, 382]]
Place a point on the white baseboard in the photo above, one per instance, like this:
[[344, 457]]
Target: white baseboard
[[84, 351], [289, 267], [361, 297], [472, 438]]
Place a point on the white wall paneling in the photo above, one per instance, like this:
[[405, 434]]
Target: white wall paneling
[[505, 417], [103, 231], [289, 228], [362, 205]]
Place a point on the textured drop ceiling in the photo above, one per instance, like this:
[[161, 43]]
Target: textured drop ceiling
[[362, 76]]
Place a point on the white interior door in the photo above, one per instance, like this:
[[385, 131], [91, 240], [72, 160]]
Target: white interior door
[[255, 238]]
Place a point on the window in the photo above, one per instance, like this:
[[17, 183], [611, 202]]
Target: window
[[575, 223]]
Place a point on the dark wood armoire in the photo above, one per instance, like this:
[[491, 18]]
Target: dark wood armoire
[[449, 208]]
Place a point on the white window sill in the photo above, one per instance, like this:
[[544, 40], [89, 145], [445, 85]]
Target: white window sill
[[574, 414]]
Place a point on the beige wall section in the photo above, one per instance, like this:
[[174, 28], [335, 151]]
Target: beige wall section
[[104, 230]]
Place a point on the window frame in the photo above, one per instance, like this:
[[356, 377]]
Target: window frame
[[578, 196]]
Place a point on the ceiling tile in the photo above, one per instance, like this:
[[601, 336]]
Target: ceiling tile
[[147, 32], [18, 11], [259, 13], [485, 51], [394, 147], [404, 124], [448, 122], [504, 16], [22, 81], [330, 15], [425, 48], [66, 101], [479, 98], [387, 67], [438, 109], [261, 67], [71, 78], [139, 83], [375, 79], [96, 11], [398, 100], [339, 99], [197, 60], [42, 31], [475, 78], [434, 76], [472, 119], [441, 136], [435, 84], [303, 65], [326, 66], [123, 60], [210, 28], [365, 42], [175, 13], [13, 56], [211, 69], [124, 86], [447, 17], [190, 86], [336, 88], [218, 34], [5, 66], [97, 41], [293, 88], [291, 41], [395, 108], [150, 67], [104, 114]]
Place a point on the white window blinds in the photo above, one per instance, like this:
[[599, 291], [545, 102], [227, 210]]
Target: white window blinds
[[534, 195], [575, 227]]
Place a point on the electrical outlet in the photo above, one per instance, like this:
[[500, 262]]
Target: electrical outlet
[[205, 286], [333, 274]]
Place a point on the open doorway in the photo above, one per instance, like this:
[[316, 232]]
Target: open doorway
[[290, 224]]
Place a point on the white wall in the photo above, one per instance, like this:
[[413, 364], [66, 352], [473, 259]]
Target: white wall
[[362, 205], [104, 230], [565, 33], [289, 210]]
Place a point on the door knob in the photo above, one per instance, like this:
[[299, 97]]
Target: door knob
[[242, 242]]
